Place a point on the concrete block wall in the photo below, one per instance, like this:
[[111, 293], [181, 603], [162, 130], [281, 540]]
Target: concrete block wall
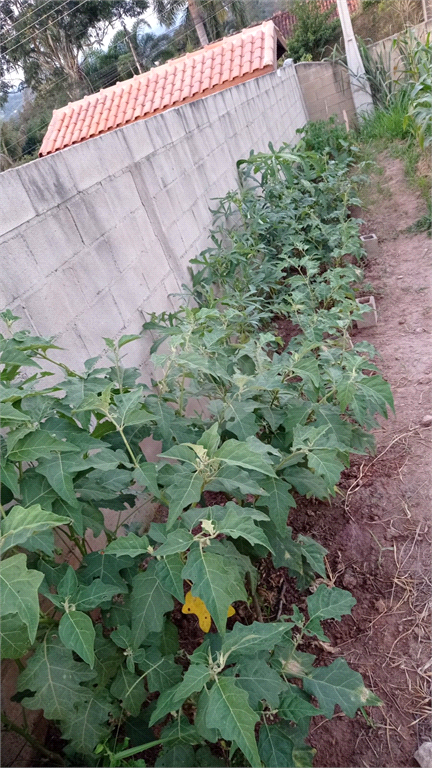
[[384, 49], [326, 90], [96, 235]]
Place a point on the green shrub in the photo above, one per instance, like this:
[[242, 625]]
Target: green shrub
[[314, 30]]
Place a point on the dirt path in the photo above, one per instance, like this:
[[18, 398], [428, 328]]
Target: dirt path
[[379, 538]]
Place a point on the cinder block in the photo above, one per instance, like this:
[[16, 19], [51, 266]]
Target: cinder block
[[164, 166], [369, 318], [101, 320], [172, 288], [145, 179], [198, 111], [98, 158], [189, 229], [16, 206], [55, 305], [174, 124], [95, 270], [122, 194], [130, 291], [74, 352], [53, 240], [92, 213], [154, 263], [48, 181], [18, 268], [125, 242], [138, 138], [370, 244], [159, 131]]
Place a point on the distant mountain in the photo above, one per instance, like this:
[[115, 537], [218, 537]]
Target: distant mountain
[[13, 105]]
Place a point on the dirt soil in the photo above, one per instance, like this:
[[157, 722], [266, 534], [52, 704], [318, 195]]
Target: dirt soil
[[379, 536]]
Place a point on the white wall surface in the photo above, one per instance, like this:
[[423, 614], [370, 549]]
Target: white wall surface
[[98, 234]]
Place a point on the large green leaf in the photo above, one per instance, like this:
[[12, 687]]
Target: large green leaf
[[94, 595], [56, 679], [131, 545], [326, 603], [19, 591], [14, 637], [185, 490], [21, 524], [260, 681], [237, 523], [339, 684], [37, 445], [98, 565], [77, 633], [176, 756], [177, 541], [170, 700], [239, 454], [283, 745], [295, 705], [89, 725], [326, 463], [216, 581], [129, 689], [162, 671], [229, 711], [278, 502], [169, 572], [208, 733], [59, 471], [11, 416], [149, 604], [253, 638]]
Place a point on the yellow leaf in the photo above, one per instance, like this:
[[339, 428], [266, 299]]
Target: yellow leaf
[[196, 606]]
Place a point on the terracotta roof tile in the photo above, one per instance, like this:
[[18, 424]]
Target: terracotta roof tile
[[219, 65]]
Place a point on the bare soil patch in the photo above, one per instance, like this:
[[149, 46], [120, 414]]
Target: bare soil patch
[[379, 535]]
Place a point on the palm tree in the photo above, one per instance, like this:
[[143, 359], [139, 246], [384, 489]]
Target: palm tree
[[211, 19]]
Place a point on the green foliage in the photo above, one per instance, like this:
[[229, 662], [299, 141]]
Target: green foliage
[[313, 31], [278, 424]]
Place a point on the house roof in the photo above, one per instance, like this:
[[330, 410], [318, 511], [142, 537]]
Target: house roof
[[217, 66], [285, 21]]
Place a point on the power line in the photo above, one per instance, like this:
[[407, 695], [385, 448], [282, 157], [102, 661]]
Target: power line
[[34, 22], [48, 25]]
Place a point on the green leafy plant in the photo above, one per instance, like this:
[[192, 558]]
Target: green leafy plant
[[313, 31], [234, 415]]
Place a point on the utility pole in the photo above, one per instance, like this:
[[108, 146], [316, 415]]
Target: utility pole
[[360, 87], [132, 49]]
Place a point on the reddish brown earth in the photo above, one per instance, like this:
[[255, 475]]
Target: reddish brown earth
[[379, 536]]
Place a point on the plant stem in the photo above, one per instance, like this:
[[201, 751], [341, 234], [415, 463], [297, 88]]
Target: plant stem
[[2, 510], [256, 605], [10, 726]]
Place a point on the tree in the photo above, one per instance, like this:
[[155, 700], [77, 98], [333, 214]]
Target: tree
[[313, 31], [128, 54], [47, 39], [210, 18]]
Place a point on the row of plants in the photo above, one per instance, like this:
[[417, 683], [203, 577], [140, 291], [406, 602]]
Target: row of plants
[[243, 422]]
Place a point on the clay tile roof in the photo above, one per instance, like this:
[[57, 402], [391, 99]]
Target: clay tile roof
[[222, 64]]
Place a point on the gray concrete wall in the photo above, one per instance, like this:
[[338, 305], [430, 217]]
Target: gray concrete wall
[[96, 235], [326, 90], [385, 51]]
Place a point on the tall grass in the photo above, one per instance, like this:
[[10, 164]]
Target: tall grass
[[390, 122]]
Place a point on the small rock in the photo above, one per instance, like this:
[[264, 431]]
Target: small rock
[[401, 321], [400, 277], [349, 580], [424, 755], [426, 421], [380, 606], [419, 330]]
